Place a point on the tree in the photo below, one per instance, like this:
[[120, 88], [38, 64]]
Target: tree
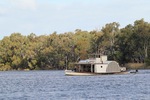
[[125, 45], [142, 31], [111, 32], [14, 47], [82, 42], [96, 41]]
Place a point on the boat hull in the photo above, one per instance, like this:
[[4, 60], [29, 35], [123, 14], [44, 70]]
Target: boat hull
[[73, 73]]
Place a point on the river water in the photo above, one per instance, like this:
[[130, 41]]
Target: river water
[[54, 85]]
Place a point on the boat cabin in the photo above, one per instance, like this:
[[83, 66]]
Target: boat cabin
[[98, 65]]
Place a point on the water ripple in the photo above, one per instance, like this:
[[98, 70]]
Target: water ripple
[[54, 85]]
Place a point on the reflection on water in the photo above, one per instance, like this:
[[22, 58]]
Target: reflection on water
[[54, 85]]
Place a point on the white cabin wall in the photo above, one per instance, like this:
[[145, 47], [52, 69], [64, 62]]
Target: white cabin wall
[[103, 58], [98, 60], [99, 69]]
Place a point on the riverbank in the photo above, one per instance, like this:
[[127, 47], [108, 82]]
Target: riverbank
[[136, 66], [128, 66]]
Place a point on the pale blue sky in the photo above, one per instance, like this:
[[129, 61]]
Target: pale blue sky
[[46, 16]]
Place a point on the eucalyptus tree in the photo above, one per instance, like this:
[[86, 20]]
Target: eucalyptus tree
[[142, 31], [5, 54], [82, 40], [126, 45], [111, 32], [96, 42], [12, 50], [46, 51]]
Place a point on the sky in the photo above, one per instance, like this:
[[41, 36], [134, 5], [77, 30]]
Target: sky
[[44, 17]]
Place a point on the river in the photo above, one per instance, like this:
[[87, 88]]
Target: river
[[54, 85]]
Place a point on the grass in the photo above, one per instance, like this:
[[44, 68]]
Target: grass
[[135, 65]]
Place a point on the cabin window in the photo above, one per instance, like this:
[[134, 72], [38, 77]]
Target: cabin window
[[101, 66]]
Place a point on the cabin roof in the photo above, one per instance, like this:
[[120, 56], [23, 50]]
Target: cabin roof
[[92, 61], [87, 61]]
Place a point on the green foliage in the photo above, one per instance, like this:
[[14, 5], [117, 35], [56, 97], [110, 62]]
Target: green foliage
[[111, 31], [147, 61], [55, 51], [5, 67]]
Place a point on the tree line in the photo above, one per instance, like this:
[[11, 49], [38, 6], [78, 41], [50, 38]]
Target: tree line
[[55, 51]]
